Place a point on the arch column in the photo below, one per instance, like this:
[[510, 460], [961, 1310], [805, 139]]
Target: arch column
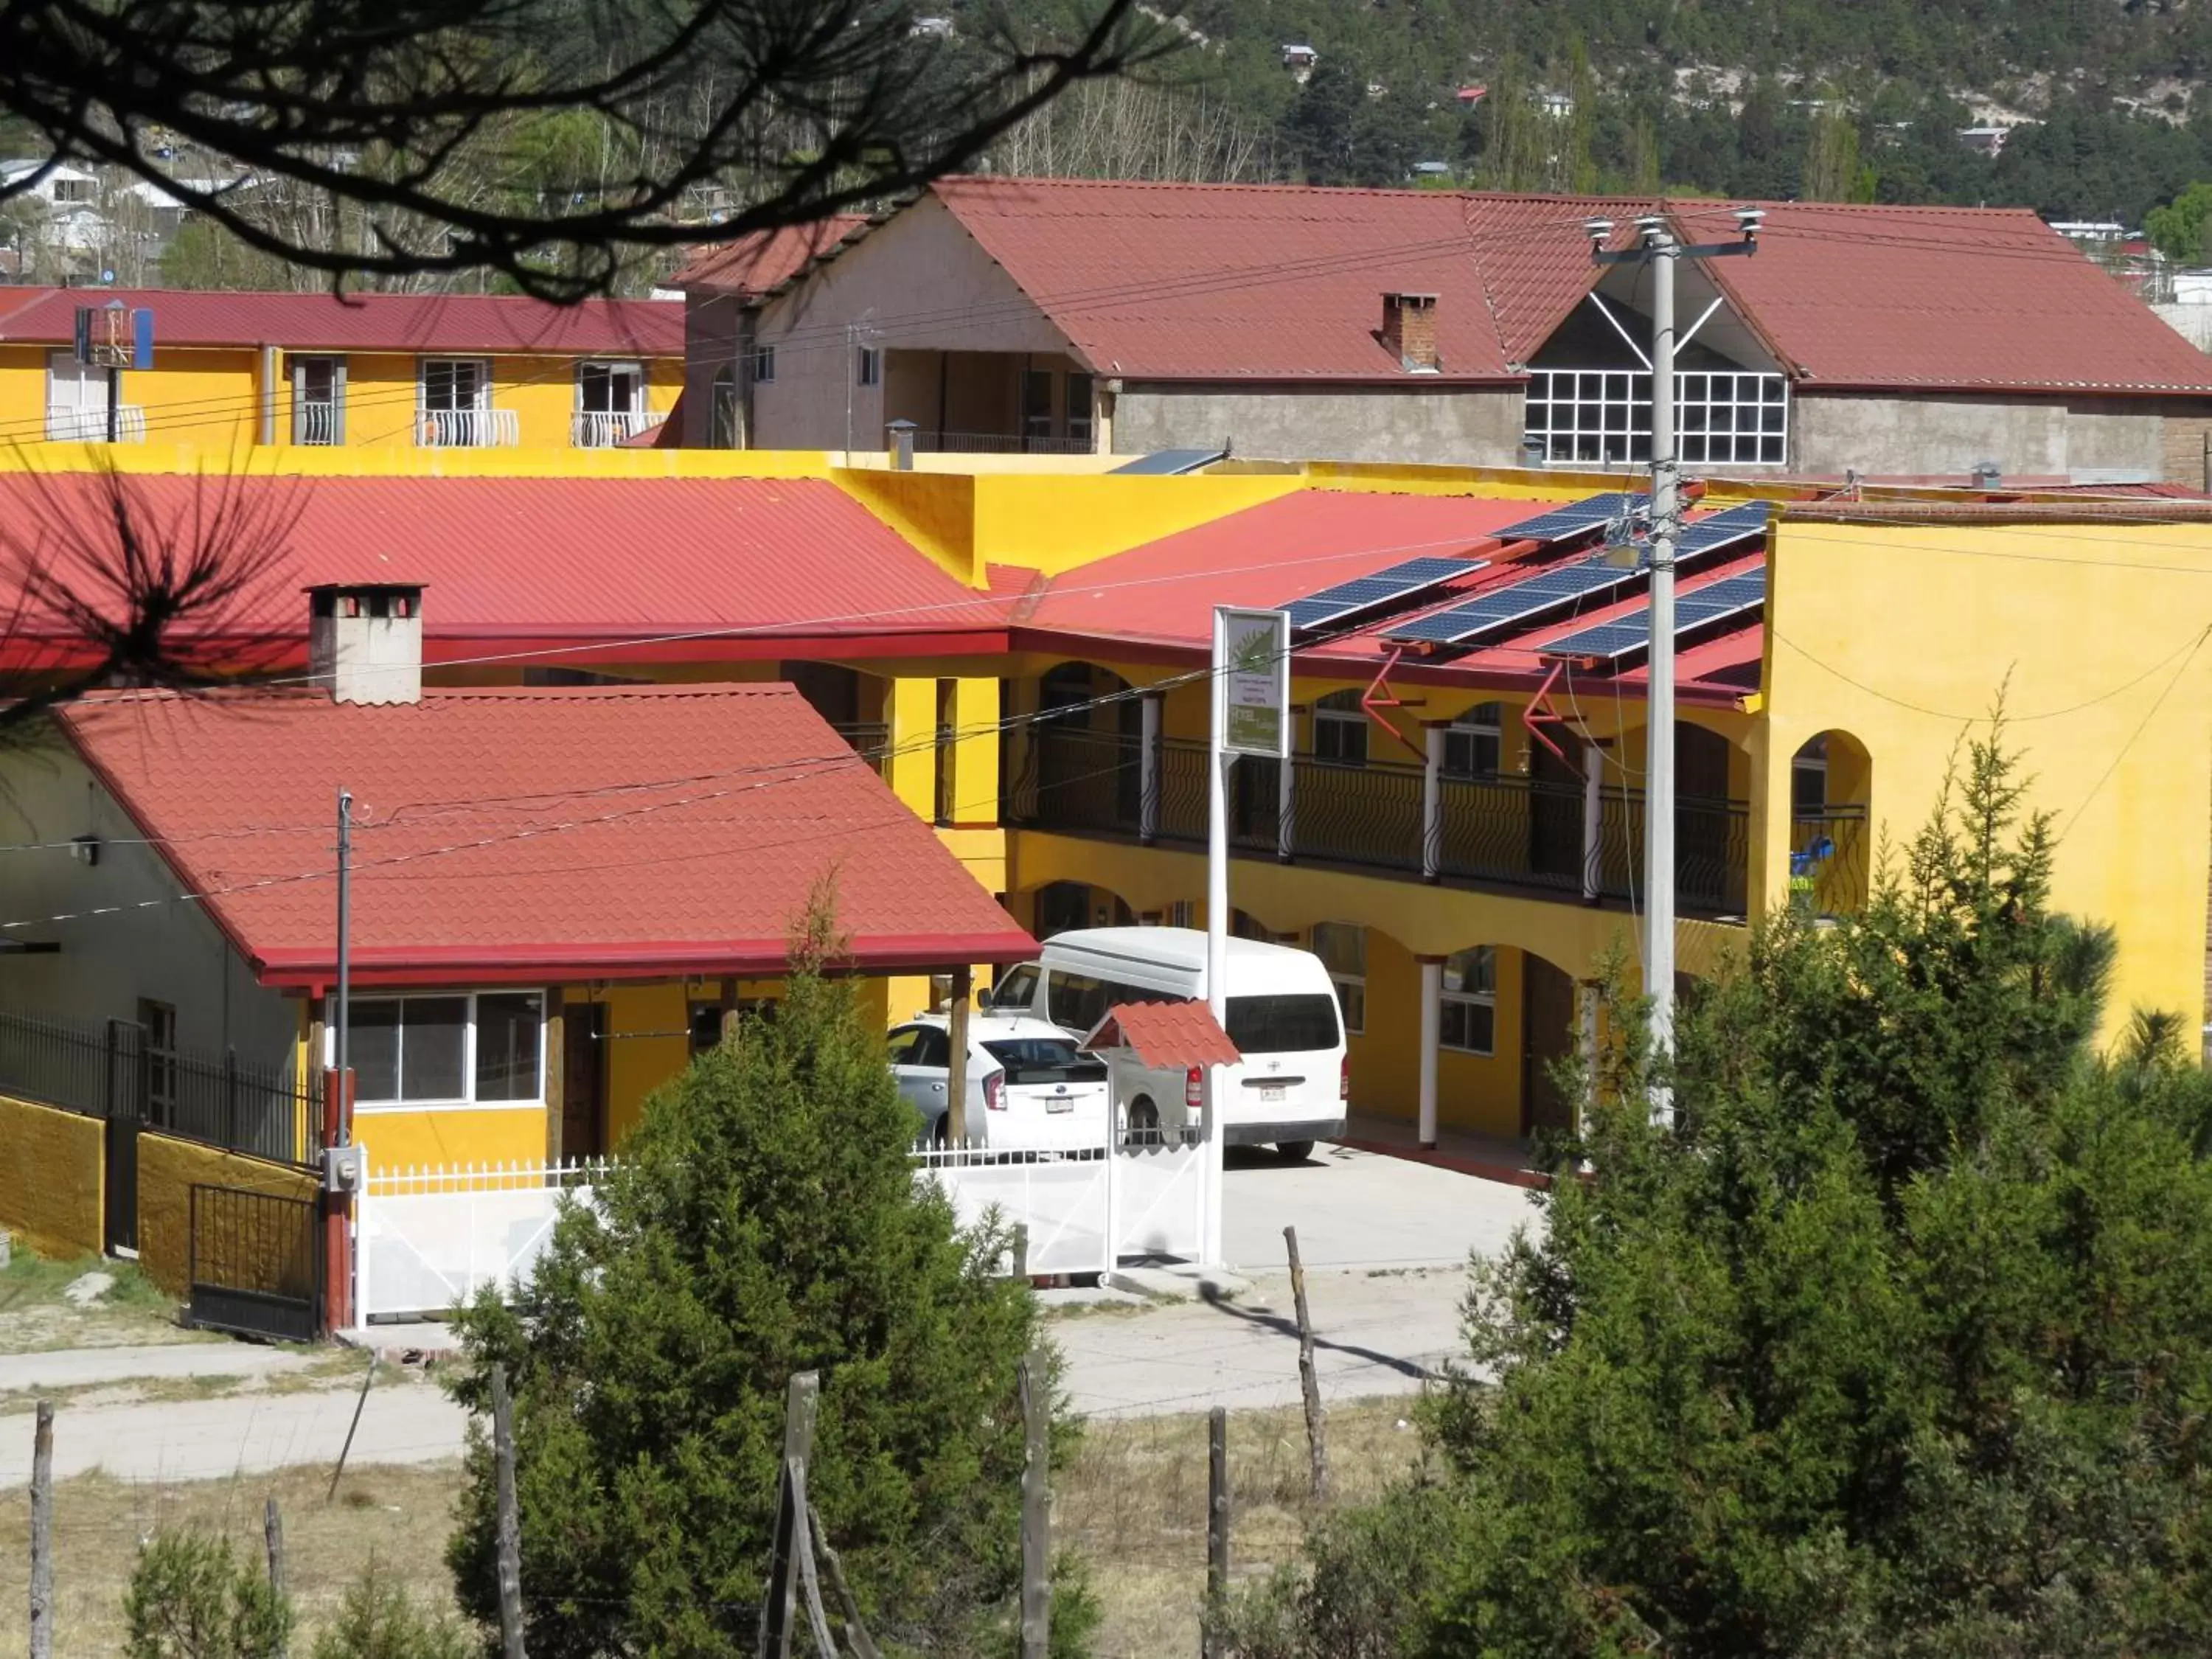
[[1432, 1032]]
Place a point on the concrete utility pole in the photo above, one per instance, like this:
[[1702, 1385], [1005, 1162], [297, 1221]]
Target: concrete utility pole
[[1660, 250]]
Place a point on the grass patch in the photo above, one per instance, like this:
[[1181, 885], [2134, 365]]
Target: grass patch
[[35, 1316]]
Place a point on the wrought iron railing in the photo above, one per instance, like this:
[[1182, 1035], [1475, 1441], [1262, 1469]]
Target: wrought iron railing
[[1368, 815], [467, 429], [603, 428], [1828, 861], [111, 1070], [1182, 792], [999, 443], [868, 738], [1512, 830], [1076, 779]]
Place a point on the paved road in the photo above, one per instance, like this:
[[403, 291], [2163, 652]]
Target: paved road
[[1384, 1241]]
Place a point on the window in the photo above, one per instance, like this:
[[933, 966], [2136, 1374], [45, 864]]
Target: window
[[869, 364], [1080, 395], [924, 1045], [319, 400], [454, 383], [1470, 1000], [722, 409], [1342, 948], [1045, 1060], [1182, 912], [1808, 779], [1036, 403], [159, 1021], [1016, 988], [763, 363], [446, 1049], [1473, 743], [76, 399], [1080, 1002], [1295, 1025], [705, 1024], [1340, 730], [75, 190]]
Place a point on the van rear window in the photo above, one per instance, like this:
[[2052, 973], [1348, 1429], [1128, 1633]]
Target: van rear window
[[1283, 1025]]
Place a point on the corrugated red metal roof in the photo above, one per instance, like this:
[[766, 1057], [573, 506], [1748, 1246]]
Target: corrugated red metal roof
[[750, 265], [1281, 283], [1164, 1034], [491, 323], [546, 559], [524, 836]]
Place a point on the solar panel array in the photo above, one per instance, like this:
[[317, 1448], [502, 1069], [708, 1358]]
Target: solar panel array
[[1720, 601], [1577, 518], [1400, 582], [1708, 535]]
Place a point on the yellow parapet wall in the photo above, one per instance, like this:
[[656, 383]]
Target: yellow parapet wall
[[50, 1165], [168, 1171]]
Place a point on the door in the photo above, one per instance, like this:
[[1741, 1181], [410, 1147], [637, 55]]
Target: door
[[126, 1091], [1547, 1037], [584, 1080], [77, 399], [1555, 813], [1701, 817]]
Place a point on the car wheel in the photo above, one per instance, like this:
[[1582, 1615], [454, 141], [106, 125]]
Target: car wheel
[[1144, 1121], [1294, 1151]]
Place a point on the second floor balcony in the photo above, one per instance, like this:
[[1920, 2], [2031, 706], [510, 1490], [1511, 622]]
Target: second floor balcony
[[604, 429], [467, 429], [84, 423]]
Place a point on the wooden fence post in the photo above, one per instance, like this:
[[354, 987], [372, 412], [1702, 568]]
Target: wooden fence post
[[779, 1609], [272, 1534], [352, 1428], [42, 1534], [1309, 1383], [1037, 1508], [510, 1518], [1216, 1530]]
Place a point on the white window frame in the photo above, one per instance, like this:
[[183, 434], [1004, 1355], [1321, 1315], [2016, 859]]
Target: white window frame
[[764, 365], [297, 365], [1350, 988], [1485, 720], [424, 365], [868, 366], [468, 1102], [611, 366], [1722, 417], [1486, 997], [1350, 719]]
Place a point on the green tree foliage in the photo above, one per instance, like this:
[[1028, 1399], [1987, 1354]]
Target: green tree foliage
[[379, 1620], [2179, 229], [1900, 1345], [191, 1598], [763, 1221]]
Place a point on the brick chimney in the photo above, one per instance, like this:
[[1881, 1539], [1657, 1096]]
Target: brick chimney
[[1409, 330], [365, 643]]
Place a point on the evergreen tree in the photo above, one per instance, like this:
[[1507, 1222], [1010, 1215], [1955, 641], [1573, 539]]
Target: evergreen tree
[[764, 1220]]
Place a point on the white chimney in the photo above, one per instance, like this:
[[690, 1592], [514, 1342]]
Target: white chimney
[[365, 643]]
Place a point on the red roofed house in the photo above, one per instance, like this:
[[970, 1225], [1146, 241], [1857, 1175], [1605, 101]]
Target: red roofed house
[[557, 892], [1088, 316], [436, 371]]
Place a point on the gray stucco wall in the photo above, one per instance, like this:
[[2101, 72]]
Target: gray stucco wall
[[1463, 426], [169, 951], [2026, 437]]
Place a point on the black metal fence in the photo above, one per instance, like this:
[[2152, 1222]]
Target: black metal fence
[[112, 1070], [257, 1264]]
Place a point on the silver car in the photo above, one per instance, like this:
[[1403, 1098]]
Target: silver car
[[1030, 1088]]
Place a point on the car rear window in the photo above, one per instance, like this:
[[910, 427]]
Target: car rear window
[[1283, 1025], [1045, 1060]]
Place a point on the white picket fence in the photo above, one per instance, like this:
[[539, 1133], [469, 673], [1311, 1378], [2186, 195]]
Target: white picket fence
[[426, 1238]]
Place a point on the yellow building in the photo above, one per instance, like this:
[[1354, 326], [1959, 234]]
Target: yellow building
[[239, 371]]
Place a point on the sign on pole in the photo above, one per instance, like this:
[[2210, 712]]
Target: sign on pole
[[1252, 658]]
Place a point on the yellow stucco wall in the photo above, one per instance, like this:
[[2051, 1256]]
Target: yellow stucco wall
[[2096, 637], [50, 1164], [167, 1170]]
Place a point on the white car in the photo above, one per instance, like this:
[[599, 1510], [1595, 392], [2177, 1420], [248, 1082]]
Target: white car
[[1030, 1087]]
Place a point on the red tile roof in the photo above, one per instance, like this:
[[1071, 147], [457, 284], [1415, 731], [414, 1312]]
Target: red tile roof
[[510, 563], [491, 323], [1164, 1034], [750, 265], [526, 836], [1278, 283], [1897, 298]]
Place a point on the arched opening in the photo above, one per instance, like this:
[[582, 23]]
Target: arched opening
[[1084, 768], [1061, 906], [1831, 790], [1711, 834]]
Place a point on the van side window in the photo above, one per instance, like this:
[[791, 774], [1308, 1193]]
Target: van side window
[[1076, 1001], [1016, 988]]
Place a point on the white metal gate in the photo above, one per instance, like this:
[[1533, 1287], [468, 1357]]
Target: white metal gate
[[1159, 1195], [425, 1239], [1086, 1211]]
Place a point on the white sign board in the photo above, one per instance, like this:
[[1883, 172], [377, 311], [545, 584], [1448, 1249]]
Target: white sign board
[[1252, 678]]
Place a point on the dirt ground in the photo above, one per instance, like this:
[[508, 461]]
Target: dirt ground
[[1133, 1505], [35, 1316]]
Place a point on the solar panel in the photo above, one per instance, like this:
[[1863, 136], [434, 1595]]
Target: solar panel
[[1520, 603], [1578, 518], [1732, 596], [1364, 592], [1725, 529]]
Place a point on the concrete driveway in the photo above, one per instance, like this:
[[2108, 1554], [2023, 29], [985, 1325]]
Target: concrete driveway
[[1355, 1209]]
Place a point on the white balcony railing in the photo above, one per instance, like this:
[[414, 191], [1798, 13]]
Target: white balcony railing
[[315, 423], [601, 428], [466, 428], [73, 424], [1724, 417]]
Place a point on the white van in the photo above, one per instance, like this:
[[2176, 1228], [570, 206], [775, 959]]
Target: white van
[[1290, 1087]]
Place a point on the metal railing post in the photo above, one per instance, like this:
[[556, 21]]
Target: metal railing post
[[230, 1099], [1433, 804]]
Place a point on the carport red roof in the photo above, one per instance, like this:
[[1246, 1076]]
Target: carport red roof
[[528, 835]]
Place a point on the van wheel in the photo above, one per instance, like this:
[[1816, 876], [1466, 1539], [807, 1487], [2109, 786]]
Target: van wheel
[[1144, 1121], [1294, 1151]]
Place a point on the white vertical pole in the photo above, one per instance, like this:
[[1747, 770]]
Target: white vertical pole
[[1112, 1252], [1148, 770], [1659, 767], [1593, 820], [1432, 1037], [1218, 761], [1432, 804]]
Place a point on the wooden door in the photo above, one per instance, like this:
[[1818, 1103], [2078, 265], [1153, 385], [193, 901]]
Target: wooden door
[[584, 1080]]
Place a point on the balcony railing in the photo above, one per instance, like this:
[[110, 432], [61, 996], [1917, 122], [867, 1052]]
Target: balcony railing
[[466, 428], [314, 423], [868, 739], [603, 428], [1506, 832], [999, 443], [1828, 861], [73, 424]]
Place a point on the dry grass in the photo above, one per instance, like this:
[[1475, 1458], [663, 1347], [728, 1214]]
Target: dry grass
[[35, 1318], [402, 1515], [1133, 1505]]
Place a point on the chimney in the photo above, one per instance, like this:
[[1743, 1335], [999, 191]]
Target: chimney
[[365, 643], [900, 437], [1409, 330]]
